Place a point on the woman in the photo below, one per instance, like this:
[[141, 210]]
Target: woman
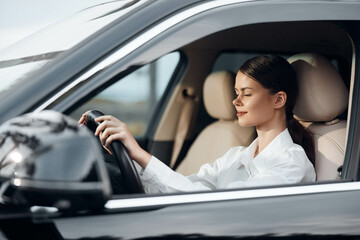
[[266, 90]]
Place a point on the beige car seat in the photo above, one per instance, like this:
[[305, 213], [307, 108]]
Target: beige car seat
[[323, 96], [217, 138]]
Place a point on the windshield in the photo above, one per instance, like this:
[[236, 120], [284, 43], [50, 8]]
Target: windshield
[[24, 58]]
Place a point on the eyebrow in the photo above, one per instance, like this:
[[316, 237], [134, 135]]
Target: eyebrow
[[244, 88]]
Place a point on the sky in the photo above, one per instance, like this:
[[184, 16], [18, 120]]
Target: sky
[[20, 18]]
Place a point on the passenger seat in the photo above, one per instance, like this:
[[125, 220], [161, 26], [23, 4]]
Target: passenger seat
[[322, 98]]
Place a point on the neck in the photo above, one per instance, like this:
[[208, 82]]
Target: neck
[[267, 133]]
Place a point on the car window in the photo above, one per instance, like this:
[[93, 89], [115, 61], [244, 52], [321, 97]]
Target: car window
[[134, 97]]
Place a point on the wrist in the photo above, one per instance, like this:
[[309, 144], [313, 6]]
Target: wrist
[[142, 158]]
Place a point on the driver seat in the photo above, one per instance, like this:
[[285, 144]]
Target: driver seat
[[322, 98], [217, 138]]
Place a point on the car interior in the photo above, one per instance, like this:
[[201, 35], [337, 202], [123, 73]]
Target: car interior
[[195, 122], [324, 39]]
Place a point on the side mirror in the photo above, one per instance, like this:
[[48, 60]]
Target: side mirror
[[47, 159]]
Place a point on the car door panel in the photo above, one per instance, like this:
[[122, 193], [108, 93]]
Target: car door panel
[[311, 215]]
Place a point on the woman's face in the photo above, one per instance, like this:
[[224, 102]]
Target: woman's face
[[254, 104]]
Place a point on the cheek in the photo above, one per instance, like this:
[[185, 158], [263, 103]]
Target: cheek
[[258, 105], [253, 103]]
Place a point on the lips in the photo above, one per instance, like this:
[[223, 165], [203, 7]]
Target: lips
[[240, 114]]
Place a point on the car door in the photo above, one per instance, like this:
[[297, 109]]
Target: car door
[[307, 211]]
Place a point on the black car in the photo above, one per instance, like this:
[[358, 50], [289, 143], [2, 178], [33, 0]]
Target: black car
[[143, 62]]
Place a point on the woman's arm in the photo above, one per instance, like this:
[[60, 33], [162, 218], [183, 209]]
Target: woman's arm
[[156, 176], [112, 129]]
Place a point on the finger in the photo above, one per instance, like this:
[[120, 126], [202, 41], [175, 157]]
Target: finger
[[107, 124], [102, 139], [114, 137], [102, 126], [105, 117], [108, 149], [106, 133], [82, 118]]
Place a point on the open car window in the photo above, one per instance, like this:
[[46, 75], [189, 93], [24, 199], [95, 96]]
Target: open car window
[[134, 98], [202, 47]]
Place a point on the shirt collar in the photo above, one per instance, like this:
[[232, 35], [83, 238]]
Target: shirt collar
[[278, 145]]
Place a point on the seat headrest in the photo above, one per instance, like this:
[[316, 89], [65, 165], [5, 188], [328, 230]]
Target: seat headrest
[[322, 93], [218, 94]]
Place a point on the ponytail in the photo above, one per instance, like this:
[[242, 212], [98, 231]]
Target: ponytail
[[302, 137]]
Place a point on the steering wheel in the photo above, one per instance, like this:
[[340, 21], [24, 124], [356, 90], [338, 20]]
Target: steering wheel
[[128, 172]]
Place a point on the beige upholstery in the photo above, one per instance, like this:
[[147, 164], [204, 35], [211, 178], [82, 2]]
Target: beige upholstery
[[218, 94], [323, 96], [218, 137]]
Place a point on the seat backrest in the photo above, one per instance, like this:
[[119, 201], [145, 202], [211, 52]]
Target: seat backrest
[[218, 137], [322, 97]]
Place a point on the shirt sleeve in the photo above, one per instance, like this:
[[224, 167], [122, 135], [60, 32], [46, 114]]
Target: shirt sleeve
[[159, 178]]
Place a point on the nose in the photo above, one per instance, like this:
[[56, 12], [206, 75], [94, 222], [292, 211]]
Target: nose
[[237, 101]]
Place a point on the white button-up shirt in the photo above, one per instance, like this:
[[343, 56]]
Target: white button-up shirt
[[281, 162]]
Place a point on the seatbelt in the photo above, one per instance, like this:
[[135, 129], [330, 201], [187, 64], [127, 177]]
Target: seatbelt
[[189, 98]]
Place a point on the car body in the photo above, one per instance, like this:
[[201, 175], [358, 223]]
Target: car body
[[199, 33]]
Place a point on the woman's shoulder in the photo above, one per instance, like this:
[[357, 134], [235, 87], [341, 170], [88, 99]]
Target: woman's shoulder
[[298, 155], [299, 165], [296, 148]]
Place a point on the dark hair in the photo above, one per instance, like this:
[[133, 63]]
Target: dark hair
[[276, 74]]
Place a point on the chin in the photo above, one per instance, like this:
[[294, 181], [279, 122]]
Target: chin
[[243, 123]]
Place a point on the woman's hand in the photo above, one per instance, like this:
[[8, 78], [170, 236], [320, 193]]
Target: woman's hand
[[112, 129], [82, 119]]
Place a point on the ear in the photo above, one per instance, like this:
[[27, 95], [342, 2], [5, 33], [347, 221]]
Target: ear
[[280, 99]]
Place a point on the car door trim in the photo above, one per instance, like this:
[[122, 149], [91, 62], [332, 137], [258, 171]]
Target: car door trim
[[168, 200]]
